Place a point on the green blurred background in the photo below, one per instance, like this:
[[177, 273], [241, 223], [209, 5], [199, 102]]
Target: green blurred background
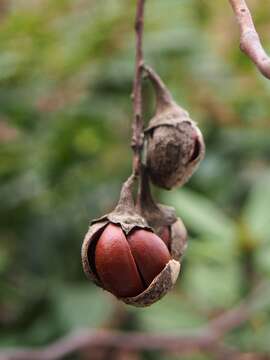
[[66, 71]]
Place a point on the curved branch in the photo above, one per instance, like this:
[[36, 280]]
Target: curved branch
[[250, 42], [207, 339], [84, 340]]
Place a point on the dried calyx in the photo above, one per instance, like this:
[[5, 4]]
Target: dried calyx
[[123, 255], [174, 143], [162, 219]]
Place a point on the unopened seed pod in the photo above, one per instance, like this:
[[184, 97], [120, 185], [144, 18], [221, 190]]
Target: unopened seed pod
[[162, 219], [174, 143], [124, 256]]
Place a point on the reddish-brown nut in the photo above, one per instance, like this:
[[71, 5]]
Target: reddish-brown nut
[[126, 266], [150, 254], [115, 265]]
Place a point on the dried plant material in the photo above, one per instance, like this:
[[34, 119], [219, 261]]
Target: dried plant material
[[162, 219], [123, 255], [158, 288], [174, 143]]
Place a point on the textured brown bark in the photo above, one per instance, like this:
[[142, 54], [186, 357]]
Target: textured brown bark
[[250, 42], [137, 137]]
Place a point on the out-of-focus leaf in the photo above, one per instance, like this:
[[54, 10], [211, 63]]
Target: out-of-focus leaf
[[82, 306], [213, 286], [256, 213], [262, 258], [219, 252], [173, 313], [201, 215]]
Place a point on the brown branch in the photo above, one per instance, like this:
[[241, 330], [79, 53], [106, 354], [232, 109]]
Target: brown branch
[[250, 42], [85, 340], [205, 339], [137, 136]]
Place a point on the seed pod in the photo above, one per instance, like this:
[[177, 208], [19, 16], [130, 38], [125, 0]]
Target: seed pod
[[174, 143], [162, 219], [123, 255]]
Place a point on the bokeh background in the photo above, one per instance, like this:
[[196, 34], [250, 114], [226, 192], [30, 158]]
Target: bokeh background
[[66, 70]]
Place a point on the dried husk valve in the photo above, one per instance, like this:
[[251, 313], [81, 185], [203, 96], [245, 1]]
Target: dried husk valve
[[122, 254], [174, 143]]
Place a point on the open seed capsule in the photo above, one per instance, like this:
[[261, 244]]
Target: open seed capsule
[[175, 145], [123, 255], [162, 219]]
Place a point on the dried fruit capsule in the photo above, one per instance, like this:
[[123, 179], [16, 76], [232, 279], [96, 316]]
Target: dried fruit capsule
[[179, 237], [175, 237], [165, 235], [175, 144], [123, 255], [162, 219]]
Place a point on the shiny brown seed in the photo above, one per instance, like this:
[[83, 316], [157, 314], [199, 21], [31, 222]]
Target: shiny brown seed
[[150, 253], [115, 264]]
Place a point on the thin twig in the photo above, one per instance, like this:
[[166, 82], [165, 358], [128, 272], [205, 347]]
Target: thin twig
[[207, 339], [137, 136], [250, 42]]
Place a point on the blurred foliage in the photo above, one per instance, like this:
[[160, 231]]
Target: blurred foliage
[[65, 112]]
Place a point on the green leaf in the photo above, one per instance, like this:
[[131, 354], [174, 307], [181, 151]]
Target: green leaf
[[256, 213], [82, 306], [201, 215], [173, 312], [211, 285]]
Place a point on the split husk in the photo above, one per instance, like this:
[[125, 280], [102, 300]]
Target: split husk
[[174, 143], [159, 216], [128, 218]]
